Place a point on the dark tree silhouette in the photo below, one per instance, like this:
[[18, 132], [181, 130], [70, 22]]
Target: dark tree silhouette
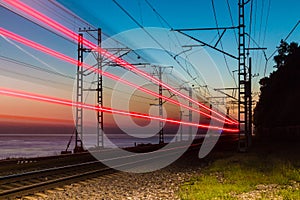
[[279, 101]]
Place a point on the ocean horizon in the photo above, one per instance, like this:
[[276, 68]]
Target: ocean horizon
[[26, 146]]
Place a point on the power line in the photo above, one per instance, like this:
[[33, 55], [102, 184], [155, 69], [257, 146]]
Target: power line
[[151, 36], [24, 64], [221, 44], [56, 82], [232, 22], [47, 29], [254, 28], [12, 60], [267, 20], [250, 23], [261, 21], [261, 34], [33, 77], [288, 35], [258, 68], [257, 56], [184, 52], [63, 18], [71, 13], [154, 10], [58, 14]]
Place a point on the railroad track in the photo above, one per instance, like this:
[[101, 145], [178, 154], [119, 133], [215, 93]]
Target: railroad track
[[17, 185], [28, 183]]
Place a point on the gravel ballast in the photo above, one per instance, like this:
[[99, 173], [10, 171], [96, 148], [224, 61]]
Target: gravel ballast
[[162, 184]]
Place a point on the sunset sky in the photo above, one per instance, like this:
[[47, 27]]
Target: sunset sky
[[26, 69]]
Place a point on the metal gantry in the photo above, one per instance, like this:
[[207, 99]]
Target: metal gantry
[[81, 73], [244, 85], [79, 97], [160, 108], [158, 71], [244, 74], [99, 93], [190, 113]]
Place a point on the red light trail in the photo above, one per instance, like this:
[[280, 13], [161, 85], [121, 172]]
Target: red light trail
[[48, 21], [111, 76], [37, 97]]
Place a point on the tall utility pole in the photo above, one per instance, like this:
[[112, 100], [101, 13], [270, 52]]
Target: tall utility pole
[[250, 103], [79, 97], [160, 108], [244, 85], [99, 93], [158, 71], [190, 112], [181, 113], [190, 115], [81, 73], [244, 74]]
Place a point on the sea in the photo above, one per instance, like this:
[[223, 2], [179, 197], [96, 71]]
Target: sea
[[26, 146]]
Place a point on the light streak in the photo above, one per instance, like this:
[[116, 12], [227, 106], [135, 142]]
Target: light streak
[[60, 28], [68, 59], [38, 97]]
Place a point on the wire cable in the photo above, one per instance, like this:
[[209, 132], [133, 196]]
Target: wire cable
[[150, 35], [288, 35], [47, 29], [250, 23], [232, 22], [226, 63], [187, 60]]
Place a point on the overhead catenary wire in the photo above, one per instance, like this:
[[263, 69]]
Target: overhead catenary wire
[[261, 34], [52, 30], [71, 13], [272, 54], [187, 61], [267, 21], [184, 51], [169, 25], [250, 23], [63, 19], [160, 16], [261, 21], [88, 43], [253, 29], [232, 22], [70, 60], [221, 44], [260, 65], [27, 65], [150, 35], [57, 13]]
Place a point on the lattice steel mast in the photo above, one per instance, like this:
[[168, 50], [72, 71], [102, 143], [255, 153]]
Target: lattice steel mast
[[244, 85], [80, 89], [79, 97]]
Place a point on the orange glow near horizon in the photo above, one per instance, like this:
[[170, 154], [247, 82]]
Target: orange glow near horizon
[[68, 103], [33, 119], [116, 78], [72, 35]]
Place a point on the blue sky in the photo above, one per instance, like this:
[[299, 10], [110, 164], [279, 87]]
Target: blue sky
[[271, 21], [52, 77]]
